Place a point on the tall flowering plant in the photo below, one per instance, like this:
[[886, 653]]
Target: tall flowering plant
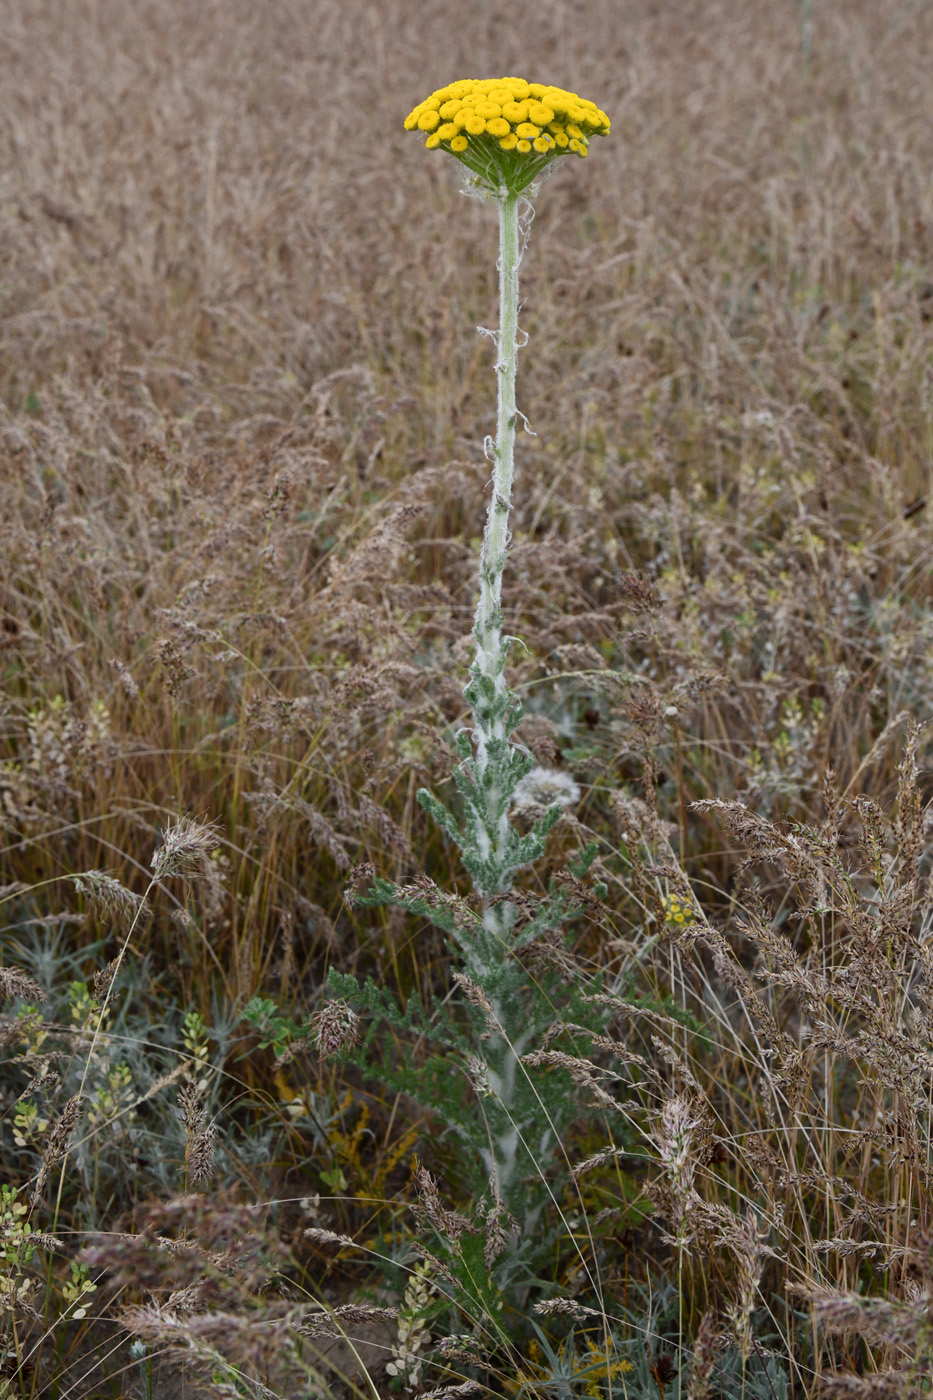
[[508, 134]]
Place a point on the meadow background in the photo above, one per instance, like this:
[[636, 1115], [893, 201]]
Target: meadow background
[[242, 408]]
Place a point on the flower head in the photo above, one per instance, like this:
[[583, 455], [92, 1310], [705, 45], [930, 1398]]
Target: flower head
[[676, 910], [505, 130]]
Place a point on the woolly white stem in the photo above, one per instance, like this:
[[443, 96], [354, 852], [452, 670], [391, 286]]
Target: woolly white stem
[[490, 657]]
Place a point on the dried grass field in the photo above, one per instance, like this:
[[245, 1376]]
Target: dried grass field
[[242, 486]]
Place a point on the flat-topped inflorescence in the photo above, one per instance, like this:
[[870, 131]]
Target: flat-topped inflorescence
[[506, 130]]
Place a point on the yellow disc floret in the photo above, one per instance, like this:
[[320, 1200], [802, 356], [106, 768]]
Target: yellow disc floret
[[506, 130]]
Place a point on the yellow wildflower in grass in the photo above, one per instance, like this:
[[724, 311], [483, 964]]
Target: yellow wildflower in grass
[[595, 1369], [676, 911], [506, 130]]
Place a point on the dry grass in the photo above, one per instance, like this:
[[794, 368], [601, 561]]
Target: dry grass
[[242, 404]]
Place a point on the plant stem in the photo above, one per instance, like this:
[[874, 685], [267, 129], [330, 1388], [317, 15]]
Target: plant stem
[[805, 8], [491, 704]]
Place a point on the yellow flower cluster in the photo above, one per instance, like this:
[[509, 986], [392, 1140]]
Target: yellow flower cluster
[[506, 118], [675, 910]]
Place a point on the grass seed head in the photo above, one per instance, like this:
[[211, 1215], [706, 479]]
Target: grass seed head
[[17, 986], [108, 897], [186, 850], [335, 1026]]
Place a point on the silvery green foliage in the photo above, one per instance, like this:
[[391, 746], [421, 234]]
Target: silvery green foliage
[[515, 1115], [508, 1116], [486, 791]]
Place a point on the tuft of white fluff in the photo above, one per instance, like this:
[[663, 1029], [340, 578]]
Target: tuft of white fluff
[[546, 787]]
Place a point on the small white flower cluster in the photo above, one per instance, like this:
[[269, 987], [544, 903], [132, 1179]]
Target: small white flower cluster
[[413, 1336], [546, 787]]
